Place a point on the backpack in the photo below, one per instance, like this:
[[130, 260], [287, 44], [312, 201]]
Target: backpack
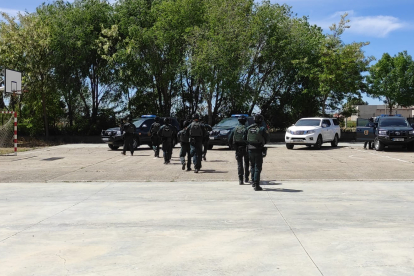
[[196, 130], [254, 136], [238, 135], [155, 127], [183, 136], [167, 131], [129, 128]]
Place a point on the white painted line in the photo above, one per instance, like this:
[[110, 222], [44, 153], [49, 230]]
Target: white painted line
[[384, 156]]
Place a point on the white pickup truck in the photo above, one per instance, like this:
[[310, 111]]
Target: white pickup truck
[[313, 132]]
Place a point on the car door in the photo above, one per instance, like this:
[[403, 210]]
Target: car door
[[326, 130], [364, 132]]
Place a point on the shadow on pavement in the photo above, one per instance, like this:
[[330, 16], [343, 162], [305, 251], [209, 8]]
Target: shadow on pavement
[[282, 190], [326, 147], [213, 171], [269, 182]]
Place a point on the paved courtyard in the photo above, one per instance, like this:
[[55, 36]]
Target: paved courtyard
[[87, 210]]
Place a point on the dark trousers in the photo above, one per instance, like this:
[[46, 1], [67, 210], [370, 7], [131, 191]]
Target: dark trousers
[[369, 144], [205, 146], [256, 161], [155, 140], [167, 149], [242, 156], [128, 143], [196, 151], [185, 151]]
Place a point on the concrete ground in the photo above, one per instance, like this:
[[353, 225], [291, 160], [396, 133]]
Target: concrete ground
[[86, 210]]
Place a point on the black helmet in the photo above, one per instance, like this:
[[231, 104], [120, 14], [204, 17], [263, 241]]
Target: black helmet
[[258, 118], [157, 119], [242, 119], [196, 117], [167, 120]]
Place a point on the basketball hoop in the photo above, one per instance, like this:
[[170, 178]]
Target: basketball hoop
[[12, 82]]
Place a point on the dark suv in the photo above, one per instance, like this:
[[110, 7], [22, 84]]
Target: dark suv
[[115, 139], [387, 130], [220, 133]]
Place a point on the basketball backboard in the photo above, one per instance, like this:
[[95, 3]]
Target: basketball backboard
[[12, 81]]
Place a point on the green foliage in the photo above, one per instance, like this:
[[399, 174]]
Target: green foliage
[[88, 62], [392, 78]]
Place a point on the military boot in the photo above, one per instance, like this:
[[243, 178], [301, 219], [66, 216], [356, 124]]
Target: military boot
[[257, 187], [246, 179], [241, 180]]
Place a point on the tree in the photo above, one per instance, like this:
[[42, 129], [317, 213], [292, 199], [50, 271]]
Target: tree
[[392, 78], [338, 72], [25, 46]]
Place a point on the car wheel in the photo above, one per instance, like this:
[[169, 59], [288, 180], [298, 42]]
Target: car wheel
[[135, 143], [210, 147], [289, 146], [318, 143], [378, 145], [112, 147], [334, 143]]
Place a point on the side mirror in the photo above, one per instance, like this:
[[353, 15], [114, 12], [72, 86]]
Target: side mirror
[[412, 125], [293, 124], [324, 125], [143, 126]]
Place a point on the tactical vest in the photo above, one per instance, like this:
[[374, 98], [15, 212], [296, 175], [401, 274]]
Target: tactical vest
[[155, 128], [183, 136], [238, 135], [254, 136], [166, 131], [196, 130], [129, 128]]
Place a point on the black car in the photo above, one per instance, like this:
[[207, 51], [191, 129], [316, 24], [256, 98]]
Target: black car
[[115, 139], [387, 131], [221, 131]]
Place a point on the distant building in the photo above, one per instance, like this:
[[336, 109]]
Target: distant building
[[368, 111]]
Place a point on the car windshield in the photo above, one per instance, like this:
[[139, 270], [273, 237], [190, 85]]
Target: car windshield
[[228, 122], [308, 122], [139, 122], [395, 122]]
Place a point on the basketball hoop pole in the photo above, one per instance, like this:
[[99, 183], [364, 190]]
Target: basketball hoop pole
[[15, 128]]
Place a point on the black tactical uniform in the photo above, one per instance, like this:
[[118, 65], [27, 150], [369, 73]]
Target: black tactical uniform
[[370, 143], [166, 134], [196, 131], [155, 139], [257, 136], [184, 139], [238, 139], [207, 129], [128, 131]]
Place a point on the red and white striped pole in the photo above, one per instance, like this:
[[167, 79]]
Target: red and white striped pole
[[15, 128], [15, 133]]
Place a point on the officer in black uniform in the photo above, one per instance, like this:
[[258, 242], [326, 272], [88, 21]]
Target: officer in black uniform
[[237, 138], [370, 143], [166, 134], [196, 131], [184, 139], [256, 136], [206, 138], [155, 139], [128, 130]]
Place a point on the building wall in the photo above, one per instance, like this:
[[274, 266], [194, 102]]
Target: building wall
[[368, 111]]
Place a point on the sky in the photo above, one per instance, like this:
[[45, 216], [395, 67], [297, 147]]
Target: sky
[[387, 25]]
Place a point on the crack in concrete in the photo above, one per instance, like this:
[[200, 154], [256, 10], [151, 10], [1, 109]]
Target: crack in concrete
[[64, 264], [297, 238]]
